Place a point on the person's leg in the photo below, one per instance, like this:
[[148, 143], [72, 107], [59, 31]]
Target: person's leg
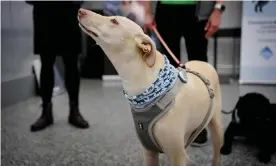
[[46, 89], [170, 31], [72, 83], [196, 45]]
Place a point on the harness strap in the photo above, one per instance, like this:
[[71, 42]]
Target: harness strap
[[167, 99], [144, 119], [211, 93], [165, 104]]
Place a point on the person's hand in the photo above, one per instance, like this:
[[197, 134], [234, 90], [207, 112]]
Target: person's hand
[[149, 21], [213, 23]]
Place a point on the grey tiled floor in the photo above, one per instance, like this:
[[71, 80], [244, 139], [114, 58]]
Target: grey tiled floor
[[110, 140]]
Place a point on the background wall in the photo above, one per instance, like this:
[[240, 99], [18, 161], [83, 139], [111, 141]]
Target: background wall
[[17, 82], [17, 46], [17, 40]]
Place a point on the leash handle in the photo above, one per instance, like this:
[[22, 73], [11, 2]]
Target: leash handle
[[166, 46]]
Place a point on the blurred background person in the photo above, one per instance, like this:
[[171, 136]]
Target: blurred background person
[[56, 33], [133, 10], [196, 21]]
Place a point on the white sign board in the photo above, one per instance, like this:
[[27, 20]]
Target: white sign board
[[258, 43]]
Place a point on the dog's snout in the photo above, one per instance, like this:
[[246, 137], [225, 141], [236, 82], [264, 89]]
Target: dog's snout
[[81, 12]]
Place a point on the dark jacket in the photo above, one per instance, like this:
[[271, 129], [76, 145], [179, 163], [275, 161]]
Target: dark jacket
[[203, 9], [56, 29]]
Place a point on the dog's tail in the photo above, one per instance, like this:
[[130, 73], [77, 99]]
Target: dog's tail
[[230, 112], [227, 112]]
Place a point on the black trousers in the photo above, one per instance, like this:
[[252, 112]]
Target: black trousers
[[175, 21], [72, 78]]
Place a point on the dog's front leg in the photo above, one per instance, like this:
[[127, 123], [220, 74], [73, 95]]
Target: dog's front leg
[[178, 156], [174, 148], [229, 135], [150, 158], [265, 143]]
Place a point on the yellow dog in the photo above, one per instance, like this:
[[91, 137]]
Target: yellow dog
[[138, 63]]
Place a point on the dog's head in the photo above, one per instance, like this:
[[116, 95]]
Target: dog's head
[[254, 107], [118, 36]]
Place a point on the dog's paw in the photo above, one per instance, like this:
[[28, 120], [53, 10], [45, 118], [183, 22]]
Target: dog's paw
[[264, 158], [225, 150]]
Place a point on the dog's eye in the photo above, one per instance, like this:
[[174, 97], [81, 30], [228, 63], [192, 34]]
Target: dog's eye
[[114, 21]]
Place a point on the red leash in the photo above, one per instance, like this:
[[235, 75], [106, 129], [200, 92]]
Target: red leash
[[153, 28]]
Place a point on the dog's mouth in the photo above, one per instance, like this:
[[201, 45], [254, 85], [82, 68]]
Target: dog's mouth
[[89, 31]]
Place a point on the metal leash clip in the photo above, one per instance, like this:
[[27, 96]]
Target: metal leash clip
[[182, 74]]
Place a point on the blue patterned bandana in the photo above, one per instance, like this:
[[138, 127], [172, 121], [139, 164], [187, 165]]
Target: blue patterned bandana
[[166, 79]]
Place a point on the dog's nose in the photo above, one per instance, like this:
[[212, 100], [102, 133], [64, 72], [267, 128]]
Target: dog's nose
[[82, 12]]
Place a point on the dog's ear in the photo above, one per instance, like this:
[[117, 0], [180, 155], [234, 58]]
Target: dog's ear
[[239, 103], [147, 48]]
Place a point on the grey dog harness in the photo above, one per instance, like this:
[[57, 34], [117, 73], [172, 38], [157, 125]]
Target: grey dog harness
[[144, 119]]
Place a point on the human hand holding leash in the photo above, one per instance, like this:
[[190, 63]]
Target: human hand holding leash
[[149, 21], [150, 24], [213, 23]]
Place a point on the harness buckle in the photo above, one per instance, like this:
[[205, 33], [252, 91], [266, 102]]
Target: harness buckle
[[183, 75], [140, 125], [212, 94]]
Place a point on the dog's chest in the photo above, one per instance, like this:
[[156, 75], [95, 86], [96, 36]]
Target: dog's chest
[[147, 108], [144, 119]]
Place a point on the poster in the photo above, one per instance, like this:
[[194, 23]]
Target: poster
[[258, 43]]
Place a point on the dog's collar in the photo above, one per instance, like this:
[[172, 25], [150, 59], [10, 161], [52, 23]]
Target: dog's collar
[[166, 79]]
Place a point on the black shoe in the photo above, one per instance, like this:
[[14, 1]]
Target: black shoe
[[45, 120], [76, 119], [225, 150], [201, 139]]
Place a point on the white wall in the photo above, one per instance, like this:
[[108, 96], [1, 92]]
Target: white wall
[[228, 48], [232, 15], [16, 40]]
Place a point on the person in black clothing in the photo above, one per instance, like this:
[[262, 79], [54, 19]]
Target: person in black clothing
[[175, 19], [196, 43], [56, 32]]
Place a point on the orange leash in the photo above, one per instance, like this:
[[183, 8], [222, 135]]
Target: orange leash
[[166, 46]]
